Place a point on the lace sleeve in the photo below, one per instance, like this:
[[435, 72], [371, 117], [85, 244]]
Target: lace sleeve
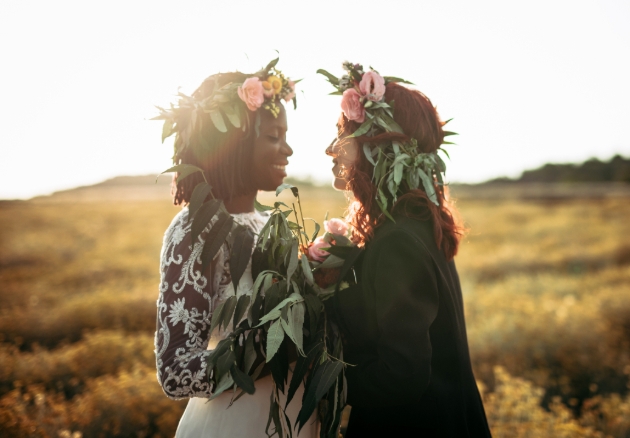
[[185, 305], [184, 309]]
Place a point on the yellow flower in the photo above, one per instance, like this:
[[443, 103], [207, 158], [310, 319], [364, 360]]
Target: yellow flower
[[267, 89], [275, 82]]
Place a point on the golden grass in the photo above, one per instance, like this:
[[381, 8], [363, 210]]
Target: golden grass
[[546, 287]]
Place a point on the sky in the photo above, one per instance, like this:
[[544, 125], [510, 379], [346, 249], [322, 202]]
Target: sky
[[526, 82]]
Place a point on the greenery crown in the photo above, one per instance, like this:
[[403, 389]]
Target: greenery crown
[[395, 162], [227, 106]]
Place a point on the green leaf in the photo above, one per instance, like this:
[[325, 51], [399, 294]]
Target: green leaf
[[261, 207], [183, 169], [217, 119], [271, 65], [398, 173], [215, 238], [302, 366], [448, 142], [241, 308], [223, 384], [293, 261], [199, 195], [240, 253], [296, 321], [445, 153], [363, 129], [203, 216], [277, 310], [394, 127], [306, 268], [336, 93], [368, 153], [275, 335], [228, 311], [232, 113], [332, 261], [250, 351], [429, 188], [217, 317], [243, 381], [283, 187], [447, 121], [331, 78], [395, 79], [167, 129], [329, 370], [224, 363], [447, 133], [314, 308], [255, 375]]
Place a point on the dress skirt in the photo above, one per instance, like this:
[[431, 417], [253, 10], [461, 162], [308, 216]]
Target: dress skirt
[[247, 417]]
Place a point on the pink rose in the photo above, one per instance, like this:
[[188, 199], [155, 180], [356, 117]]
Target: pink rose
[[336, 226], [315, 252], [251, 92], [291, 95], [351, 106], [372, 86]]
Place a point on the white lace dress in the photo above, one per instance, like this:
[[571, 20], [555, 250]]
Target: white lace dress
[[184, 309]]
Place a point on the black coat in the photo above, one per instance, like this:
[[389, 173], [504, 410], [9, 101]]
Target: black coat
[[404, 328]]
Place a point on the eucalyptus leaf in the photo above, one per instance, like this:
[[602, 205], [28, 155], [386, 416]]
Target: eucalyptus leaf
[[222, 385], [296, 322], [243, 381], [447, 133], [332, 261], [228, 311], [184, 170], [331, 78], [271, 65], [283, 187], [429, 188], [302, 366], [277, 310], [217, 119], [214, 239], [167, 129], [330, 370], [368, 153], [275, 335], [199, 195], [306, 269], [224, 363], [293, 261], [241, 308], [203, 216], [395, 79], [241, 252], [217, 317], [250, 351], [261, 207], [361, 130], [232, 113]]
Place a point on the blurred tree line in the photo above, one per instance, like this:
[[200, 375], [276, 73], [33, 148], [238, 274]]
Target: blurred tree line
[[593, 170]]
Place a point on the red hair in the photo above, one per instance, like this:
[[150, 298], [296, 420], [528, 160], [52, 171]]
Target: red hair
[[415, 114]]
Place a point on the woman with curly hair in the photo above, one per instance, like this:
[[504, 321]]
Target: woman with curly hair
[[403, 323]]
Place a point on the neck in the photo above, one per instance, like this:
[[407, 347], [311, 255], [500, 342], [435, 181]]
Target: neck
[[241, 204]]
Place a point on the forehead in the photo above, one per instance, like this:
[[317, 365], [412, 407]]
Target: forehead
[[268, 121]]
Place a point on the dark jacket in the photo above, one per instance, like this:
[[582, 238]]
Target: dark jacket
[[404, 328]]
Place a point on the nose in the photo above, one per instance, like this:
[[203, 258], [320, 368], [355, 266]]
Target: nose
[[329, 150], [287, 150]]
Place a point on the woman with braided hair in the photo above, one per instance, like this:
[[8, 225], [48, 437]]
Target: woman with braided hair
[[403, 323], [231, 134]]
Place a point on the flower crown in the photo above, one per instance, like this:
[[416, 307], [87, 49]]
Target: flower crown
[[227, 106], [395, 162]]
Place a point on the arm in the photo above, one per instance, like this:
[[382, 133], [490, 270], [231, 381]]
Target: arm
[[184, 311], [406, 302]]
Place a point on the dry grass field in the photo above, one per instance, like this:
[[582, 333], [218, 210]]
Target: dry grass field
[[546, 284]]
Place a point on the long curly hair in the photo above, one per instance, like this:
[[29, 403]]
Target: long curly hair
[[418, 118], [227, 157]]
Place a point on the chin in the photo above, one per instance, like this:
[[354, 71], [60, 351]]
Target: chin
[[339, 184]]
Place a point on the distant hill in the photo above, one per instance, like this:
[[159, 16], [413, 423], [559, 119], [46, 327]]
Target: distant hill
[[616, 170]]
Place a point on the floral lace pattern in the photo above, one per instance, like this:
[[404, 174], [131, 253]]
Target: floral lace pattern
[[186, 302]]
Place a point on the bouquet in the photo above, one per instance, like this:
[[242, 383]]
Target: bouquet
[[294, 274]]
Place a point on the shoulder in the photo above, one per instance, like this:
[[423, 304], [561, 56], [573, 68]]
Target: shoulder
[[404, 232]]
